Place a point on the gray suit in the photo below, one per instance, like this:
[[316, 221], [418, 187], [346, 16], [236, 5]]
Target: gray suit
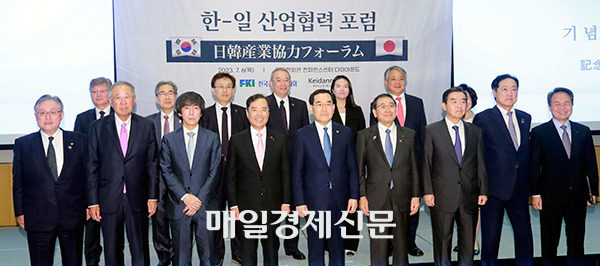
[[375, 177], [456, 187]]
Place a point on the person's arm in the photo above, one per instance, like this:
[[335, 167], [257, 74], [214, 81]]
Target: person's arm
[[93, 172], [214, 171], [428, 195], [535, 169], [18, 184]]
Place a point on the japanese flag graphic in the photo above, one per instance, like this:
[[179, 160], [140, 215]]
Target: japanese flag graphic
[[389, 46], [185, 46]]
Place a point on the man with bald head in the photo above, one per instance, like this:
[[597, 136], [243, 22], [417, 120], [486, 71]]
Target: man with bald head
[[123, 177]]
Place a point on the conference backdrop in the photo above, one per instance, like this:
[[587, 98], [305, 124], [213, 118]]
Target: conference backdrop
[[189, 41]]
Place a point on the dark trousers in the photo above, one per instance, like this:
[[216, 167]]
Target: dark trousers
[[185, 231], [492, 216], [161, 234], [413, 223], [249, 247], [551, 218], [379, 247], [113, 226], [335, 244], [93, 249], [352, 243], [42, 245], [442, 224], [222, 198]]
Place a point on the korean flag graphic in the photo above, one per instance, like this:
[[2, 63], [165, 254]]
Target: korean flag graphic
[[185, 46], [389, 46]]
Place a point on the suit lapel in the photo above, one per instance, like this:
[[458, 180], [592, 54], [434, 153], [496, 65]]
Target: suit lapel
[[251, 152], [134, 132], [400, 137], [110, 126], [409, 112], [470, 141], [501, 125], [237, 118], [445, 135], [336, 147], [38, 148], [181, 152], [377, 142], [576, 139], [200, 143], [313, 137], [67, 151], [522, 128]]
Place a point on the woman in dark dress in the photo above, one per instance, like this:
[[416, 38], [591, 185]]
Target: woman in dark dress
[[351, 115]]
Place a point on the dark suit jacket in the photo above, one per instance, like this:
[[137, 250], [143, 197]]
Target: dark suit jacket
[[45, 202], [415, 120], [249, 187], [298, 116], [156, 120], [355, 119], [506, 166], [556, 177], [450, 182], [239, 122], [376, 173], [311, 174], [203, 177], [108, 170], [84, 119]]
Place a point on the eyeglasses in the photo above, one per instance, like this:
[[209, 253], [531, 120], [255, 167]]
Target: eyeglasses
[[384, 106], [324, 105], [164, 94], [119, 98], [52, 113], [223, 87]]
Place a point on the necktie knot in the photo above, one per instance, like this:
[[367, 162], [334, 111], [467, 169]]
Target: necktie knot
[[102, 113], [123, 126], [224, 109], [166, 117], [191, 134], [50, 139], [259, 134], [455, 128], [564, 127], [325, 128], [387, 131], [281, 103], [398, 98], [509, 114]]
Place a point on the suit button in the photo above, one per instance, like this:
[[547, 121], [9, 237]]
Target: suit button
[[188, 188], [517, 166], [391, 170], [191, 174], [460, 182], [329, 170]]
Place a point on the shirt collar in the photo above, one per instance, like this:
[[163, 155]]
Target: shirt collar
[[558, 124], [382, 127], [254, 131], [120, 122], [219, 106], [450, 124], [319, 126], [195, 130], [56, 135], [504, 112], [396, 96], [280, 99]]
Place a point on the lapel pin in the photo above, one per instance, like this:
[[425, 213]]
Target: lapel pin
[[400, 141], [337, 131], [374, 137], [271, 137], [69, 147], [522, 120], [293, 104]]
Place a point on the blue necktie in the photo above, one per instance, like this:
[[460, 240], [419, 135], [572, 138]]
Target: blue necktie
[[457, 146], [326, 146], [389, 152]]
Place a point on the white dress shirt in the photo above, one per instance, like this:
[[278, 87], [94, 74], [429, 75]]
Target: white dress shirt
[[106, 111], [57, 142], [171, 122], [514, 121], [220, 119], [343, 116], [118, 122], [461, 133], [286, 103], [393, 135], [321, 132], [403, 101]]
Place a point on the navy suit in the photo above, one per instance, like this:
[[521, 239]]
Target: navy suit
[[51, 208], [93, 249], [109, 171], [239, 122], [561, 182], [298, 119], [200, 180], [508, 178], [323, 187], [161, 235]]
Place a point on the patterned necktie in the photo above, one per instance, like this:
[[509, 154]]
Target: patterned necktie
[[102, 113], [457, 145], [326, 146], [190, 148], [565, 140], [52, 159], [389, 152], [512, 131], [260, 151], [224, 132], [166, 127], [283, 115], [400, 111]]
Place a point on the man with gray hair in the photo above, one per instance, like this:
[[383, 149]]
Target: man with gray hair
[[411, 114], [123, 177], [49, 181], [99, 94], [165, 120]]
